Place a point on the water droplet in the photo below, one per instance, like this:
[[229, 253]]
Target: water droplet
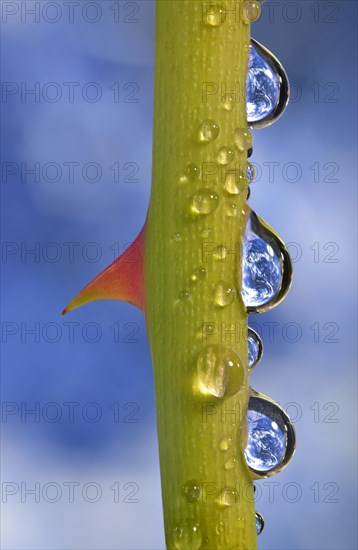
[[176, 237], [184, 295], [228, 496], [225, 155], [251, 11], [206, 232], [225, 294], [235, 182], [266, 266], [231, 463], [220, 370], [255, 348], [260, 524], [267, 87], [187, 535], [191, 491], [250, 172], [219, 529], [209, 130], [198, 274], [220, 252], [231, 209], [243, 139], [229, 102], [271, 437], [205, 201], [214, 15], [192, 172], [225, 443]]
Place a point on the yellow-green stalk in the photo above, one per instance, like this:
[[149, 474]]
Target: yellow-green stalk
[[192, 266]]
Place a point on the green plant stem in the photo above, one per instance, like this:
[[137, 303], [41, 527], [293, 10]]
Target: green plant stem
[[191, 424]]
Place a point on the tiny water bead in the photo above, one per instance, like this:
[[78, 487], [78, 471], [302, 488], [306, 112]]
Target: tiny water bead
[[220, 371], [214, 15], [184, 295], [192, 172], [191, 491], [255, 348], [251, 11], [225, 294], [205, 201], [220, 252], [176, 237], [225, 155], [225, 443], [209, 130], [231, 209], [260, 524], [187, 535], [231, 463], [198, 274], [229, 102], [220, 528], [228, 496], [271, 437], [243, 139], [266, 266], [206, 232], [267, 87]]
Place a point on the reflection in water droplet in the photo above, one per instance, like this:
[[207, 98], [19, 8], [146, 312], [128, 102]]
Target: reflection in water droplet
[[267, 443], [192, 172], [250, 172], [191, 491], [271, 437], [267, 87], [214, 14], [184, 295], [251, 11], [255, 348], [220, 371], [225, 294], [243, 139], [205, 201], [225, 155], [260, 524], [266, 266], [209, 130], [187, 535]]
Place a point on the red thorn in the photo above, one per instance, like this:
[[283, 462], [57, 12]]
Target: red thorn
[[122, 280]]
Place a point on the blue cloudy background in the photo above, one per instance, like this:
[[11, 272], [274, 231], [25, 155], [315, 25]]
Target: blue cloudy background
[[89, 450]]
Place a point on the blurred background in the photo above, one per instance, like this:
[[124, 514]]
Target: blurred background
[[78, 436]]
